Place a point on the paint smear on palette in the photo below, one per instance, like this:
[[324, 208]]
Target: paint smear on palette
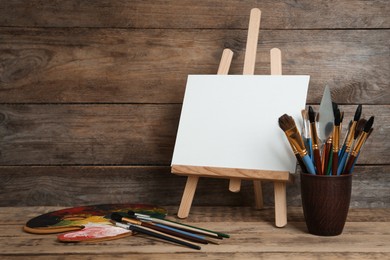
[[93, 232]]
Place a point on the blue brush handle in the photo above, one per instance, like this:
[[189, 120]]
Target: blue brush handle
[[310, 149], [354, 162], [342, 151], [309, 164], [180, 231], [342, 163], [158, 235]]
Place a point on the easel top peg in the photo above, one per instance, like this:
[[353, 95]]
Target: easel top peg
[[251, 43]]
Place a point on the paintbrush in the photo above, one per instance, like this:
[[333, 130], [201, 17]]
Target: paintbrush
[[296, 153], [162, 228], [287, 124], [315, 142], [306, 131], [155, 233], [351, 132], [356, 133], [336, 141], [178, 225], [359, 143], [354, 163]]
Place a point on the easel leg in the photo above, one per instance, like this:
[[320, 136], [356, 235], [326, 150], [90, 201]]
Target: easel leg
[[258, 194], [280, 204], [235, 185], [188, 196]]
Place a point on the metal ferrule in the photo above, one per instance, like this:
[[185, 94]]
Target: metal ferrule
[[296, 140], [359, 144], [132, 221], [314, 136], [336, 139], [351, 133]]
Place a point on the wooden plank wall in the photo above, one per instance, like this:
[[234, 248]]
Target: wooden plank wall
[[91, 91]]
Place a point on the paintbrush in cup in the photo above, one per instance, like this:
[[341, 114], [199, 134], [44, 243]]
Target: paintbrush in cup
[[351, 131], [315, 141], [358, 129], [178, 225], [287, 124], [306, 131], [336, 141], [357, 147]]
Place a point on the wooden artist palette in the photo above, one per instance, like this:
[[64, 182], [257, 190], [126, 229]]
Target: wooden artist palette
[[88, 223]]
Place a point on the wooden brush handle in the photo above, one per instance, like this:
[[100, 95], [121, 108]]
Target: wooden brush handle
[[335, 163], [349, 165], [317, 161], [326, 155]]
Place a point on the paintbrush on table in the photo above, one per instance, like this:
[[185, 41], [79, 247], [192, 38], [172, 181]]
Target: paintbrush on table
[[178, 225], [155, 233], [359, 143], [162, 228], [315, 142]]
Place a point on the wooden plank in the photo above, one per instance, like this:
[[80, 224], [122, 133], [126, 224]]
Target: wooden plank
[[84, 185], [88, 134], [135, 134], [151, 66], [281, 240], [358, 238], [218, 256], [200, 14], [20, 215]]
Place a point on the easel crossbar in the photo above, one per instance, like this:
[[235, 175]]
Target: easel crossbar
[[220, 172]]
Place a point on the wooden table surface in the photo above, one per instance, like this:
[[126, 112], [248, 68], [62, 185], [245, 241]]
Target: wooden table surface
[[253, 236]]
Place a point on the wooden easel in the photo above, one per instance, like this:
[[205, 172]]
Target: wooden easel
[[279, 178]]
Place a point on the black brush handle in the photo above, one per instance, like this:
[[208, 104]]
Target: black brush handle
[[301, 163], [158, 235]]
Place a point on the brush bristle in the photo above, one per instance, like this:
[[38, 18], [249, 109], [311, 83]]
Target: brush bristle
[[358, 113], [286, 122], [359, 127], [337, 117], [304, 114], [117, 217], [131, 213], [369, 124], [312, 115], [335, 107]]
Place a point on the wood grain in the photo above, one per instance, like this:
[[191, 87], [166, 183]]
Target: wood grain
[[122, 134], [91, 94], [85, 185], [252, 237], [200, 14], [219, 172], [85, 65]]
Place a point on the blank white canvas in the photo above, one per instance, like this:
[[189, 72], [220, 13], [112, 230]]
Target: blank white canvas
[[232, 121]]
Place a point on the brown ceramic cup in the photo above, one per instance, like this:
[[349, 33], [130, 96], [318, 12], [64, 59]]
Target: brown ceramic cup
[[325, 202]]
